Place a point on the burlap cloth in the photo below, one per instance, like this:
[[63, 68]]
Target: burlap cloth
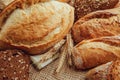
[[48, 73]]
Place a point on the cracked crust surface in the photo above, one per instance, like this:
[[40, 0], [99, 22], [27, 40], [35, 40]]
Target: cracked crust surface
[[26, 29]]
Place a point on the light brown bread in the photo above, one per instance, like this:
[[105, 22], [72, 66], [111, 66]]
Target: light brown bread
[[97, 24], [36, 28], [91, 53], [108, 71], [83, 7]]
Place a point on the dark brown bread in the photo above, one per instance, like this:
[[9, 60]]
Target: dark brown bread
[[83, 7], [14, 65], [108, 71], [97, 24]]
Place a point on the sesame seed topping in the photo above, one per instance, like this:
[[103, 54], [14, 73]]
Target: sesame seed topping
[[24, 76], [20, 71], [14, 72], [16, 78], [23, 67], [4, 75], [11, 65], [17, 55], [9, 59], [1, 69]]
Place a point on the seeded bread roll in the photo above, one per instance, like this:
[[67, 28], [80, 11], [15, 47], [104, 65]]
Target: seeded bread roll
[[108, 71], [14, 65], [35, 28], [83, 7]]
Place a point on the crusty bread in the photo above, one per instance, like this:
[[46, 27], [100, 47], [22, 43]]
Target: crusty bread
[[94, 52], [108, 71], [99, 73], [38, 27], [97, 24], [83, 7]]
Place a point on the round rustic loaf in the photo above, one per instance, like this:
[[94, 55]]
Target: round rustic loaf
[[35, 28]]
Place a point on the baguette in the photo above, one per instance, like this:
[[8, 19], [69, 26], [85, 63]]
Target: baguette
[[97, 24], [108, 71], [91, 53]]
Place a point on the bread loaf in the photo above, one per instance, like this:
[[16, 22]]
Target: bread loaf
[[83, 7], [91, 53], [108, 71], [35, 28], [14, 65], [97, 24]]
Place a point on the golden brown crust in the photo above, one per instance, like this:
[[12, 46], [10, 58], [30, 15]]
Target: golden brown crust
[[26, 29], [14, 4], [83, 7], [113, 41], [97, 24], [99, 73], [94, 52], [108, 71]]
